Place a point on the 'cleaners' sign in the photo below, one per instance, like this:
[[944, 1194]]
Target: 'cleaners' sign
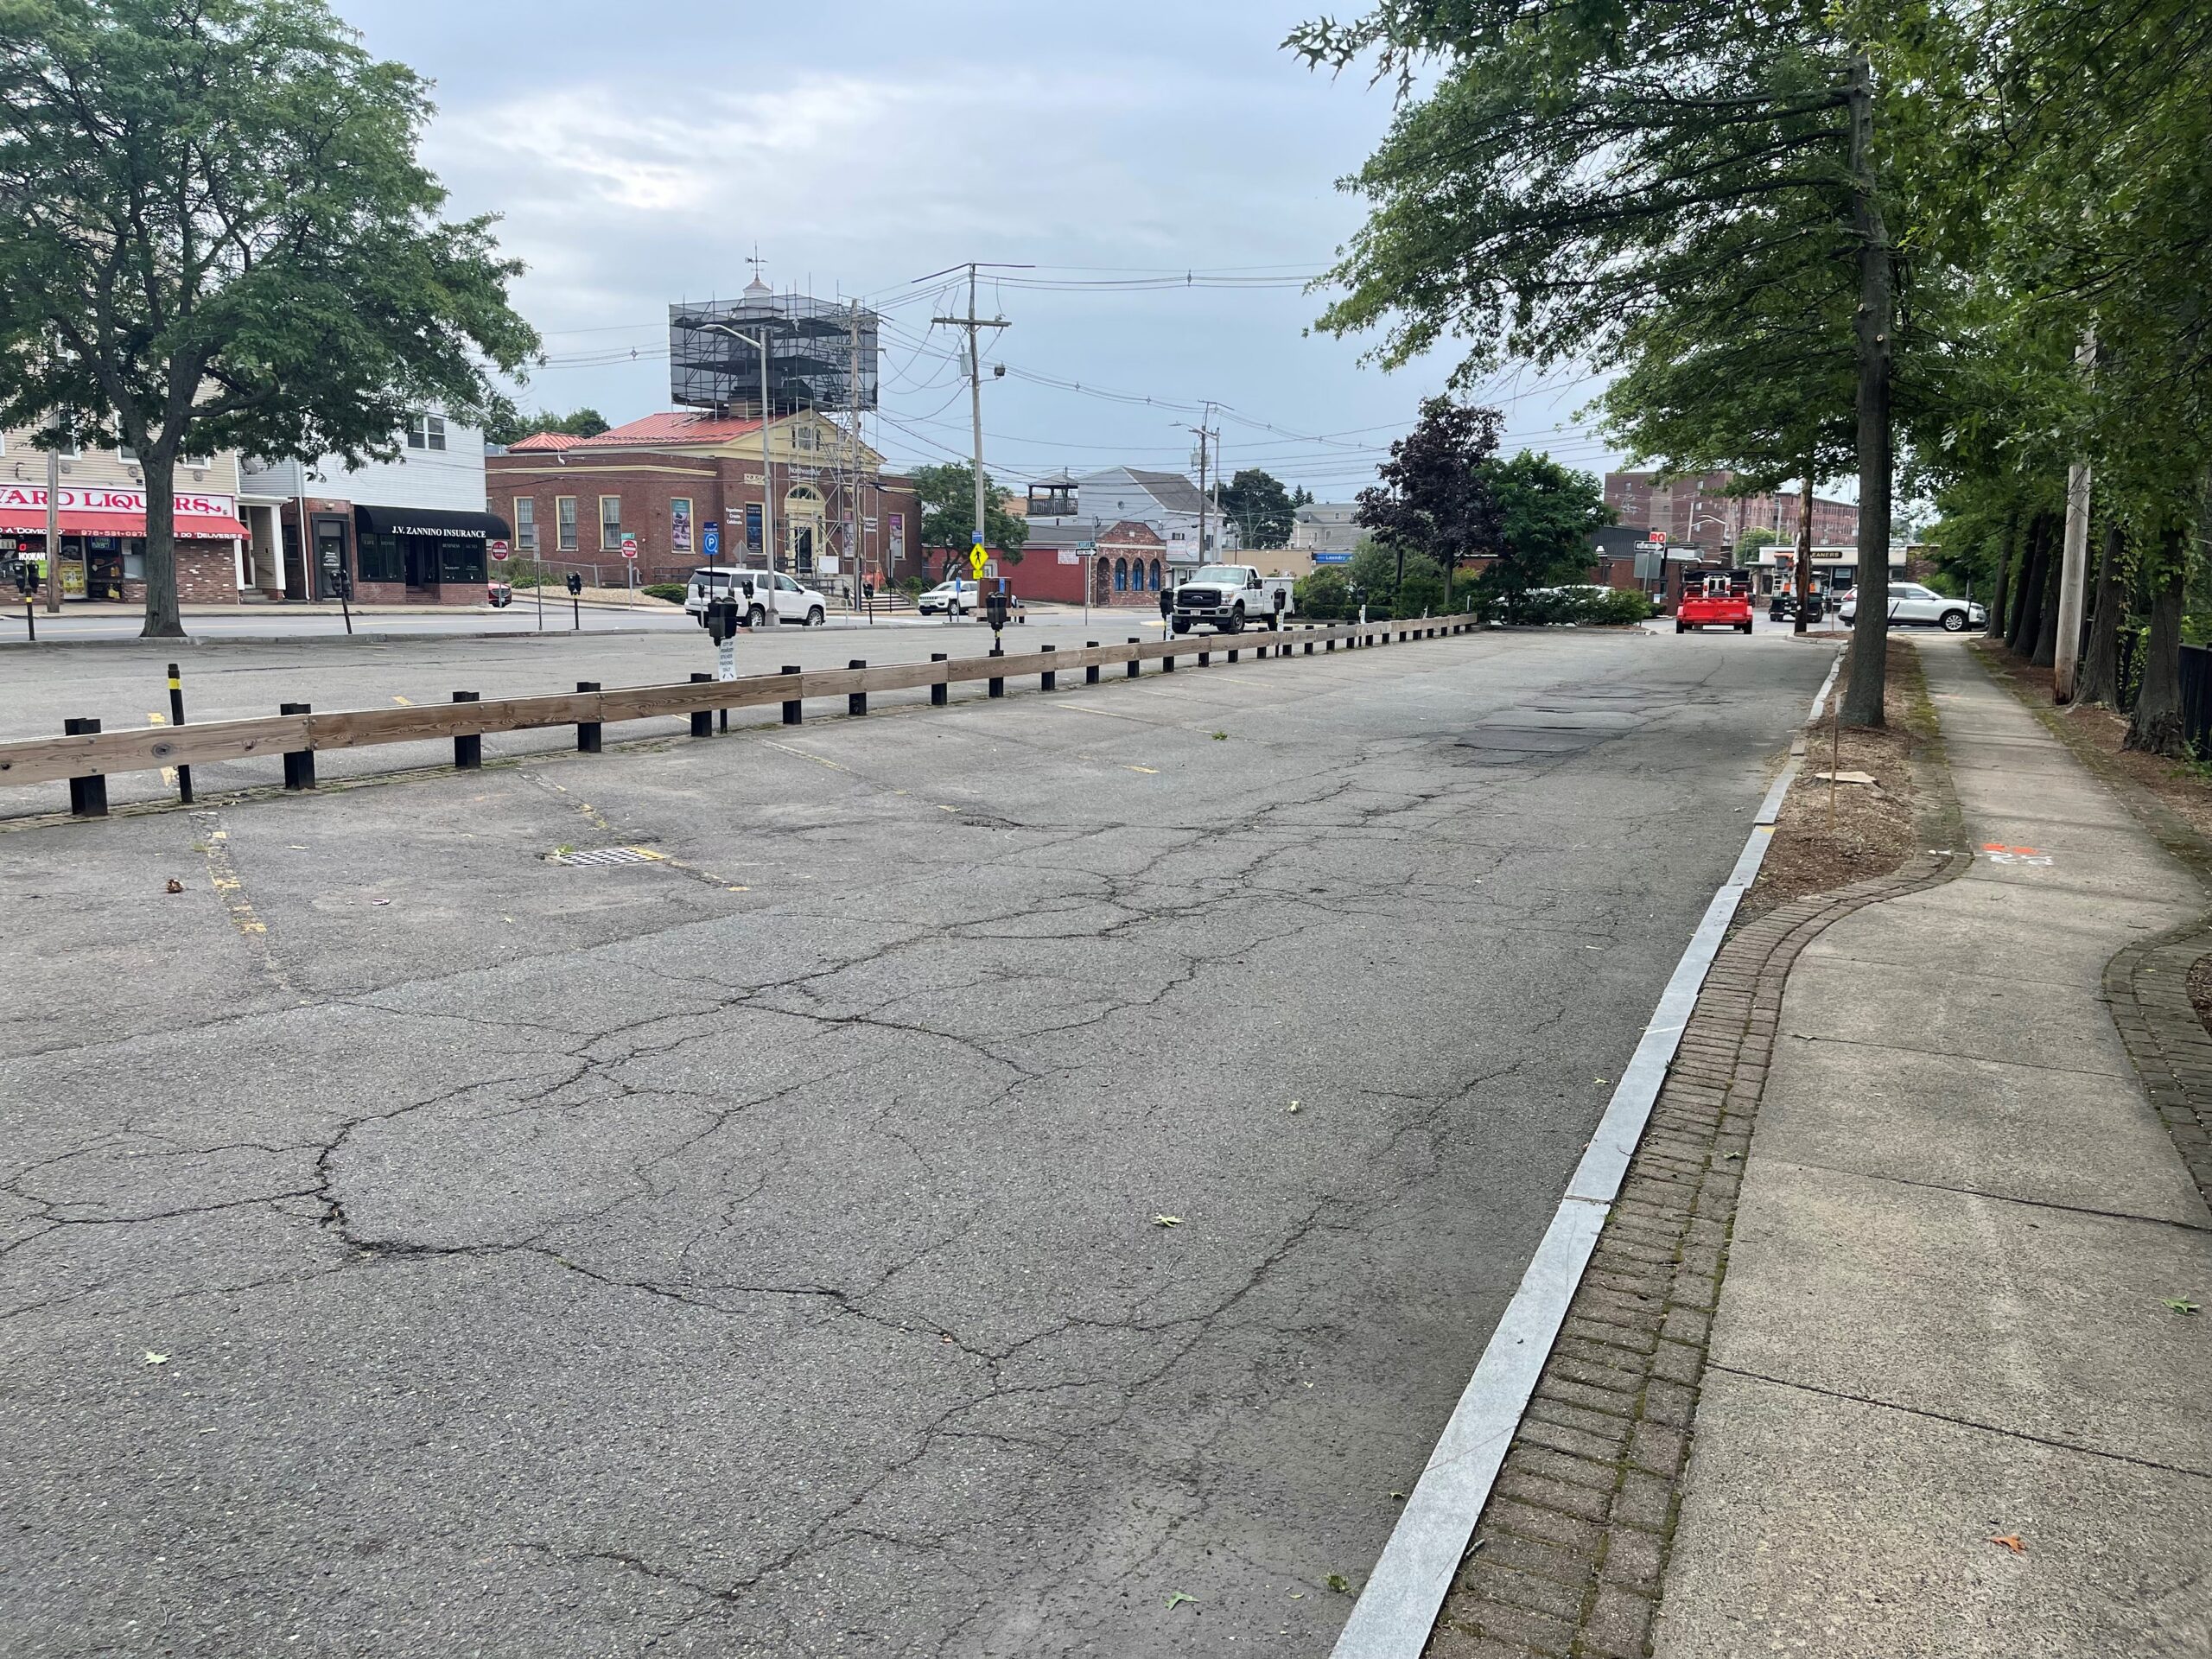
[[99, 497]]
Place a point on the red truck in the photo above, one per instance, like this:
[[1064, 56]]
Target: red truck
[[1714, 602]]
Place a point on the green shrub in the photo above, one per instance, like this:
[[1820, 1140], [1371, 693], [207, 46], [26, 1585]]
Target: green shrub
[[1325, 596], [1553, 606], [671, 591]]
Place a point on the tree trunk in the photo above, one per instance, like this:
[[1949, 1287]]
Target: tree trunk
[[163, 620], [1870, 645], [2100, 681], [2156, 726], [2046, 653], [2035, 572], [1994, 627]]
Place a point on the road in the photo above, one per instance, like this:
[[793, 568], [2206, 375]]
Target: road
[[115, 623], [1028, 1179]]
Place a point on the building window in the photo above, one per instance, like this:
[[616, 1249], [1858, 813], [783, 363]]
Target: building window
[[1120, 576], [565, 518], [378, 557], [1155, 575], [427, 432], [525, 523], [610, 523], [125, 454]]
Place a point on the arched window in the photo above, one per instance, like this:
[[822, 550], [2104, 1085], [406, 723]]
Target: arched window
[[1155, 575], [1120, 576]]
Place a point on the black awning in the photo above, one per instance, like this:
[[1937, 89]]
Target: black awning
[[432, 521]]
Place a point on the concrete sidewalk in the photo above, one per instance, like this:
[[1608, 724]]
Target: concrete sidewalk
[[1945, 1318]]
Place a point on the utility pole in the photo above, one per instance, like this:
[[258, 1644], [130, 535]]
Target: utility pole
[[1804, 547], [54, 524], [1204, 432], [2075, 565], [972, 323]]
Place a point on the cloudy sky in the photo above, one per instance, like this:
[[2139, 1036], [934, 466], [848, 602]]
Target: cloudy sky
[[639, 153]]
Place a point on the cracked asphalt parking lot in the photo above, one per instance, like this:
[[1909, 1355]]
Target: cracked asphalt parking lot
[[415, 1247]]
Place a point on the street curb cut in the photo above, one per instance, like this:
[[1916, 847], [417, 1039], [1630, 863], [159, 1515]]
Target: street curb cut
[[1398, 1608]]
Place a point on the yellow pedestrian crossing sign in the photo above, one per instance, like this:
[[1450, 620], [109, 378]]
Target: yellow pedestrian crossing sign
[[975, 560]]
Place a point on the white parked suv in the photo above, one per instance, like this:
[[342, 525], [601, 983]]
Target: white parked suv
[[794, 603], [1911, 604], [953, 598]]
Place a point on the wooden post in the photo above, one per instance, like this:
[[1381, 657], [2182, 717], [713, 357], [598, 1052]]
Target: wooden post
[[299, 764], [467, 751], [87, 796], [587, 731]]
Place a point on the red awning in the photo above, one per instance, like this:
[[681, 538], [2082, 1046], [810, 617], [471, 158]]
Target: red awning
[[190, 526]]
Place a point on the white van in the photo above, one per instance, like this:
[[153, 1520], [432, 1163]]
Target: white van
[[793, 603]]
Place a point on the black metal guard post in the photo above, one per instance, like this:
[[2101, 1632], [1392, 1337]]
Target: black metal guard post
[[299, 764], [791, 713], [1168, 664], [1135, 665], [1204, 657], [857, 702], [87, 796], [587, 731], [177, 718], [998, 686], [30, 618], [702, 720], [1049, 679], [1091, 673], [940, 691], [1232, 653], [467, 746]]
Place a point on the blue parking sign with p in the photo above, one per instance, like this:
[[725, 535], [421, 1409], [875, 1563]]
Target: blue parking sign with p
[[710, 539]]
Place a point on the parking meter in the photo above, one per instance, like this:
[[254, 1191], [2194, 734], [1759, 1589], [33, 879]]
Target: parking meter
[[996, 608], [1282, 598], [722, 619], [575, 584]]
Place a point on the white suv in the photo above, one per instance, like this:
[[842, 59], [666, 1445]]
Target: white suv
[[1910, 603], [954, 598], [803, 605]]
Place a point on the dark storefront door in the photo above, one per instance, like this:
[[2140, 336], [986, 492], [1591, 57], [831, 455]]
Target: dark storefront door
[[329, 555]]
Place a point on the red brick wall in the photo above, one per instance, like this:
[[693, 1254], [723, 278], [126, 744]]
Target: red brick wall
[[207, 574]]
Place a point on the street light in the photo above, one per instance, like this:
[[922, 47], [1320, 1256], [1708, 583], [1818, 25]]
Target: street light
[[760, 343]]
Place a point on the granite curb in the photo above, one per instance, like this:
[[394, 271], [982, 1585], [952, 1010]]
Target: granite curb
[[1570, 1553], [2147, 987]]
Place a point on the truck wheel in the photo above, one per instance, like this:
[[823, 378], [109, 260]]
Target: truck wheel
[[1954, 621], [1182, 625], [1742, 627]]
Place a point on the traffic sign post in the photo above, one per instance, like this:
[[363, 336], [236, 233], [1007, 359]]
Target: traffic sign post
[[710, 541]]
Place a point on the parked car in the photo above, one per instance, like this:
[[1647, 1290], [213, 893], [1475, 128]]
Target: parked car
[[1914, 606], [950, 599], [794, 603], [1225, 597]]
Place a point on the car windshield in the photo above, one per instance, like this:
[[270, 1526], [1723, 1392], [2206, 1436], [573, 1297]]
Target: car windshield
[[1233, 574]]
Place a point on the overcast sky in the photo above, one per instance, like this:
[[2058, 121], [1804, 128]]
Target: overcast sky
[[639, 153]]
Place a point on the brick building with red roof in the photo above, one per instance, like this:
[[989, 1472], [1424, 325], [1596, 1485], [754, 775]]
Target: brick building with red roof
[[838, 518]]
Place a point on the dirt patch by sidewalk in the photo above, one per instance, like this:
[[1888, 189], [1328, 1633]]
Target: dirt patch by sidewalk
[[1829, 836]]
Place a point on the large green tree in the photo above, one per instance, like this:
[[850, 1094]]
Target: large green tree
[[947, 494], [216, 236], [1555, 172], [1547, 520], [1263, 512]]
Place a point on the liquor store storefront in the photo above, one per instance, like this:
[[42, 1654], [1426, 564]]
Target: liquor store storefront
[[103, 552]]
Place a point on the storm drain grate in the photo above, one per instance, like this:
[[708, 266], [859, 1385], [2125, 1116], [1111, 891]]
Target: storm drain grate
[[608, 855]]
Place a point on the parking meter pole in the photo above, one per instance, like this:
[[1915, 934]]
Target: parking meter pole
[[468, 748], [177, 718], [30, 617], [998, 686]]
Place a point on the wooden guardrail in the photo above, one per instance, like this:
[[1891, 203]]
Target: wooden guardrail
[[81, 757]]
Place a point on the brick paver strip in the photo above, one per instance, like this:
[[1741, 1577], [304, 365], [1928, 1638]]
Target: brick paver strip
[[1567, 1560], [2147, 985]]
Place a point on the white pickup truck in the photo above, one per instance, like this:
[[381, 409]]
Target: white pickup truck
[[1225, 597]]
